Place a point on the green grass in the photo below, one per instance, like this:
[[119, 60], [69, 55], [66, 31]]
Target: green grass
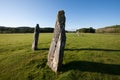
[[87, 57]]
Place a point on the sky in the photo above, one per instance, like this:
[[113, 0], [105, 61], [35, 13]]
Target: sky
[[79, 13]]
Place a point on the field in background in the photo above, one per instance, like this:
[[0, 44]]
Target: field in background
[[86, 57]]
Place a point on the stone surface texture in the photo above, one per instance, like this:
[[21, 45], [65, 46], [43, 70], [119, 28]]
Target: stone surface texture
[[56, 51]]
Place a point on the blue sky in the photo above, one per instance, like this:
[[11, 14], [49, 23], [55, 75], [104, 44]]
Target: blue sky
[[79, 13]]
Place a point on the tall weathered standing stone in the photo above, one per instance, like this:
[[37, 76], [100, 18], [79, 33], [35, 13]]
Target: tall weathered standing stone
[[36, 36], [56, 51]]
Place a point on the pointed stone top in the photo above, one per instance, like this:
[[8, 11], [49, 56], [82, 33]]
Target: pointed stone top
[[37, 25], [37, 28], [61, 17], [61, 12]]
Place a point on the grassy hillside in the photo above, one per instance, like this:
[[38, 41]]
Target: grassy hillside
[[109, 29], [87, 57]]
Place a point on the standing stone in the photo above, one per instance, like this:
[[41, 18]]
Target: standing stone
[[36, 36], [78, 33], [56, 51]]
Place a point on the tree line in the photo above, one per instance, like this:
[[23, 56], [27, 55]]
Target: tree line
[[108, 29], [24, 30], [86, 30]]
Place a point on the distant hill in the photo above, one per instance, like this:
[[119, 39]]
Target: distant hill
[[109, 29], [24, 30]]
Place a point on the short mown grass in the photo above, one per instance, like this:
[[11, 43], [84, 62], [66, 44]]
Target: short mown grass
[[86, 57]]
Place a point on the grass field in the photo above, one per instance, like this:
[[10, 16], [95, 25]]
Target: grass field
[[87, 57]]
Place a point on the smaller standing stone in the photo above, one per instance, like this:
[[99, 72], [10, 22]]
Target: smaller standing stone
[[78, 33], [36, 37]]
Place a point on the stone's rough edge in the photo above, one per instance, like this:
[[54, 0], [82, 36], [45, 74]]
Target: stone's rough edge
[[35, 37], [56, 51]]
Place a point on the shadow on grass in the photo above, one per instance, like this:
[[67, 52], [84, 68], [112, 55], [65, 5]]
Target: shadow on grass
[[92, 67], [92, 49], [81, 49], [42, 49]]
